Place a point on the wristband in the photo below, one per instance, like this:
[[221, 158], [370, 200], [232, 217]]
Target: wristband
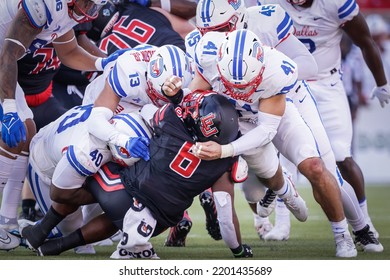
[[98, 64], [227, 151], [166, 5], [9, 105]]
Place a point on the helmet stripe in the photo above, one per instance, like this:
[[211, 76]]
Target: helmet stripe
[[133, 124], [238, 51], [175, 60], [205, 15]]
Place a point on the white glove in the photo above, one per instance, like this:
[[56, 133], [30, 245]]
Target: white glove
[[382, 93]]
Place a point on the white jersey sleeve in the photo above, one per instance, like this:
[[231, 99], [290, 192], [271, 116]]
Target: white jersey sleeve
[[270, 23], [280, 75], [128, 77], [191, 40], [68, 137], [35, 11], [206, 53]]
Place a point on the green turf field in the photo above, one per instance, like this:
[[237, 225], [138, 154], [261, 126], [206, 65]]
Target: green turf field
[[312, 240]]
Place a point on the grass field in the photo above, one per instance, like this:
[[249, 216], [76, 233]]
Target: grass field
[[312, 240]]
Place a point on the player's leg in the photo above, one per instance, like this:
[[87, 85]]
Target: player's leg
[[265, 164], [254, 191], [336, 118], [306, 157], [13, 166], [177, 235]]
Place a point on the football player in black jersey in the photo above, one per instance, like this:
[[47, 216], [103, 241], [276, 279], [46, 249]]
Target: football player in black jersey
[[145, 199]]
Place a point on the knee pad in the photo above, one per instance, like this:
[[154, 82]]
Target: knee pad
[[253, 189]]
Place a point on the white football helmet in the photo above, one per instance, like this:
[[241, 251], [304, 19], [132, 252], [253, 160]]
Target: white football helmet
[[220, 15], [166, 61], [296, 2], [241, 63], [132, 125], [85, 10]]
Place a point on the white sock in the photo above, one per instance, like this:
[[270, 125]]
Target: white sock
[[13, 189], [284, 190], [351, 207], [364, 207], [340, 227], [282, 214], [6, 165]]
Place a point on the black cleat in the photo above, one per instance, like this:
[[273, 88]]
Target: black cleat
[[208, 205], [177, 234]]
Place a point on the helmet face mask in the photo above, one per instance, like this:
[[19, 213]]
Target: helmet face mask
[[224, 16], [85, 10], [167, 61], [210, 117], [241, 64]]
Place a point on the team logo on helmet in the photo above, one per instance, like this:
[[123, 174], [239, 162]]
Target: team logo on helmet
[[235, 4], [156, 68], [258, 52], [207, 125]]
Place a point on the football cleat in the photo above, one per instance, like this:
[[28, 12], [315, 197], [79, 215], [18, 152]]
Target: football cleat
[[345, 248], [87, 249], [30, 238], [279, 232], [177, 234], [366, 241], [208, 205], [246, 252], [267, 204], [294, 202], [8, 241], [263, 226]]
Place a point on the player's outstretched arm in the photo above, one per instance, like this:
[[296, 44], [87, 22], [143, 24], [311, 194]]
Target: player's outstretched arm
[[357, 29]]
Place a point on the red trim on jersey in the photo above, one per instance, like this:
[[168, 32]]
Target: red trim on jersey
[[106, 185], [39, 98], [283, 40]]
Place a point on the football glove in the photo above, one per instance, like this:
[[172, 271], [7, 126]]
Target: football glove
[[243, 251], [138, 147], [12, 129], [382, 93], [101, 62]]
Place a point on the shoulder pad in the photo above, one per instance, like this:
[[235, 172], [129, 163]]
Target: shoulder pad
[[35, 11]]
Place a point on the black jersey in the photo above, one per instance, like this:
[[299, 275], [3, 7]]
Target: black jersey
[[37, 69], [139, 25], [169, 181]]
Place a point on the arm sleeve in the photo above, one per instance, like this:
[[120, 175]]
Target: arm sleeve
[[99, 127], [259, 136]]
